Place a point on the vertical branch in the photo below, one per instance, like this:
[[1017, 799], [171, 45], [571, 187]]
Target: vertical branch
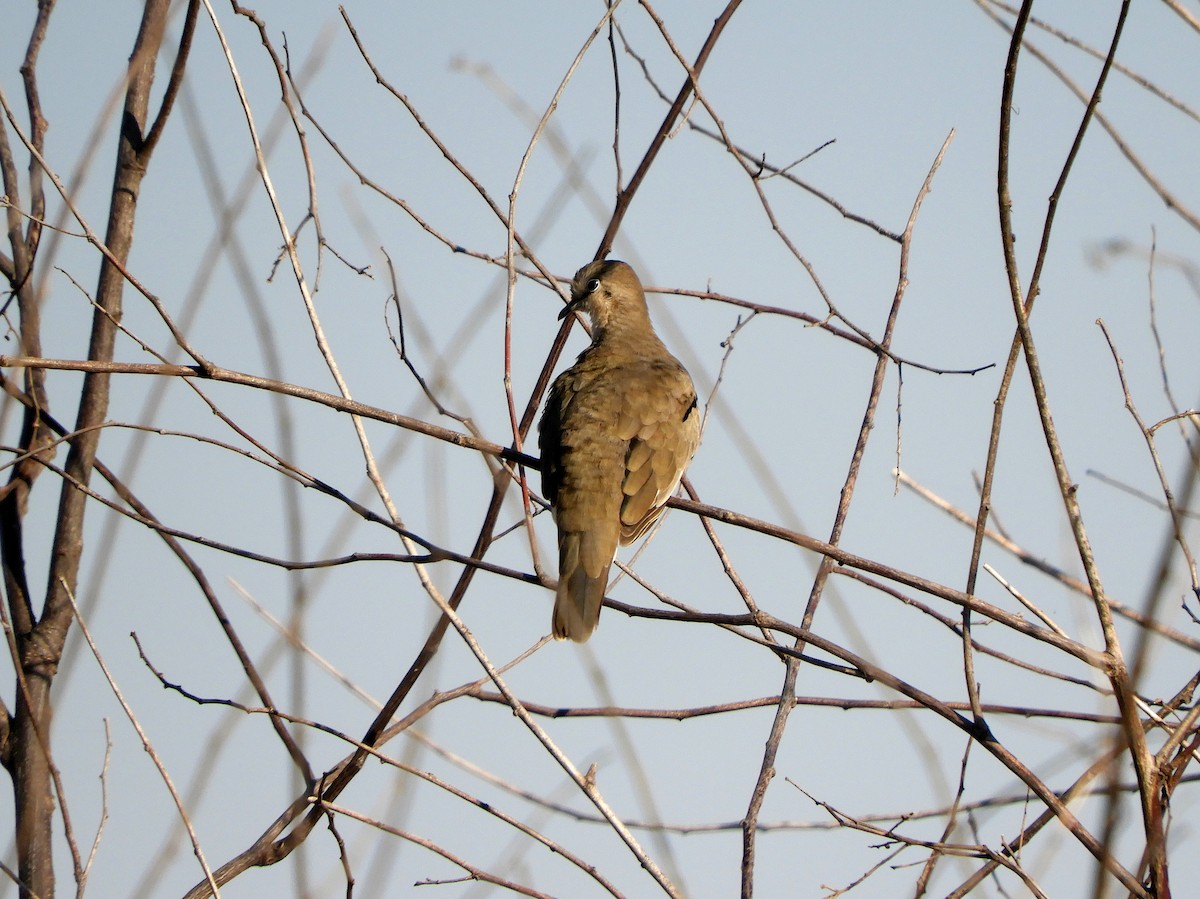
[[1116, 669], [619, 176], [787, 693], [40, 639], [23, 239], [37, 125]]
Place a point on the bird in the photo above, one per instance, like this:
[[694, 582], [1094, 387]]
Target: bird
[[619, 428]]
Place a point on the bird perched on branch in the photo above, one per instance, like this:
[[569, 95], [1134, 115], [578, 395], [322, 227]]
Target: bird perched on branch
[[619, 428]]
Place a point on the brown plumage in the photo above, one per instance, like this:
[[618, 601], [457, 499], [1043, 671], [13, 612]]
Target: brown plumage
[[620, 427]]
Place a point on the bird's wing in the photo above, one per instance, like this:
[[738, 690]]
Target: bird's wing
[[661, 421]]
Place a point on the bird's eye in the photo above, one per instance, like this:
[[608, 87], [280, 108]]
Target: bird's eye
[[593, 285]]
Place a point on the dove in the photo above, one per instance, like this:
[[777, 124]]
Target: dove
[[619, 428]]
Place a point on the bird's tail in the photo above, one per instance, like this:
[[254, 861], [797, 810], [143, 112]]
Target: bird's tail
[[578, 598]]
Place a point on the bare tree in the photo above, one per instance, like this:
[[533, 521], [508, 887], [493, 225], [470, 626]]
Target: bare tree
[[38, 631], [298, 469]]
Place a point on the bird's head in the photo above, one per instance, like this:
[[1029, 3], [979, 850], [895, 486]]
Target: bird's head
[[610, 293]]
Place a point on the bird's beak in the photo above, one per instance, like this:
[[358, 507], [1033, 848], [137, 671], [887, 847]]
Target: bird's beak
[[568, 309]]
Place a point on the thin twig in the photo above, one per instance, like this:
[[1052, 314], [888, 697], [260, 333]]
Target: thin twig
[[184, 818]]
